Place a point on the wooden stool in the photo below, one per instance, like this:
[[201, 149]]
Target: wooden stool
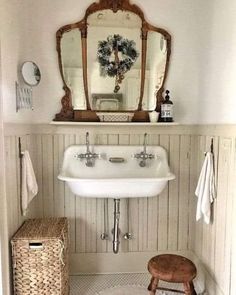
[[173, 269]]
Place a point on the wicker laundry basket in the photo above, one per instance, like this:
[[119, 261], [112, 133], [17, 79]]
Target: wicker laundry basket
[[40, 257]]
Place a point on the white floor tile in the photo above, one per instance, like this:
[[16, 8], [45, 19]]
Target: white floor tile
[[93, 284]]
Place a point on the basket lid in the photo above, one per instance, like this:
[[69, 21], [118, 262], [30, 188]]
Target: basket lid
[[39, 228]]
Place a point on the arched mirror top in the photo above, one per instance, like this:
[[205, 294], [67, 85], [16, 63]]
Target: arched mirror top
[[112, 61], [115, 6]]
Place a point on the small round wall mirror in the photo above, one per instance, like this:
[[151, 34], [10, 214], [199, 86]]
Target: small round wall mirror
[[31, 73]]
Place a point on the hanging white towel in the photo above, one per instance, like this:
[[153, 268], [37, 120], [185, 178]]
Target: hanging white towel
[[205, 190], [29, 186]]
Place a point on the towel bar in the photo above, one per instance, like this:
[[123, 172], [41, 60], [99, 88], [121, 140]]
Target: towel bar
[[19, 147], [211, 147]]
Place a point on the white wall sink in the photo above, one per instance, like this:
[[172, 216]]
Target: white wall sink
[[116, 180]]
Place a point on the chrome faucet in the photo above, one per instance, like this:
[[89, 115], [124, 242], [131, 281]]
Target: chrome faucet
[[88, 156], [144, 156], [87, 142]]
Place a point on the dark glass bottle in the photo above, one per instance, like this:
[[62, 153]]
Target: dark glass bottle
[[167, 109]]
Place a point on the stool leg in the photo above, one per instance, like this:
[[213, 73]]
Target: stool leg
[[153, 286], [193, 292], [187, 290]]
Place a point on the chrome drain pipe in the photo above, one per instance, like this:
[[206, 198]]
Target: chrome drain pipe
[[116, 230]]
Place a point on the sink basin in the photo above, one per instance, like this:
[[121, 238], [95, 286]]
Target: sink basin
[[116, 180]]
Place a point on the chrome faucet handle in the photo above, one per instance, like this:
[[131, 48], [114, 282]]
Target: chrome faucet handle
[[87, 156], [94, 156], [135, 156], [143, 156], [79, 156], [151, 156], [98, 156]]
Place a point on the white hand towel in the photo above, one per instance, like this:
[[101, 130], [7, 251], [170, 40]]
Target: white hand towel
[[205, 190], [29, 187]]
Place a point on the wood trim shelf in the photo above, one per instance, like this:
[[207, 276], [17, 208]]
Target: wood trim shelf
[[66, 123]]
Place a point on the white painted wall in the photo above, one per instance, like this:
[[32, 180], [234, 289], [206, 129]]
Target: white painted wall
[[4, 256], [13, 48], [219, 65], [202, 68]]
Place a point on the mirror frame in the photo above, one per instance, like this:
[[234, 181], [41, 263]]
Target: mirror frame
[[67, 112]]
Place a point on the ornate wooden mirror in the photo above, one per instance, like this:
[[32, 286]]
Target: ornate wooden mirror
[[112, 61]]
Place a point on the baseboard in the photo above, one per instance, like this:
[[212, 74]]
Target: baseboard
[[97, 263]]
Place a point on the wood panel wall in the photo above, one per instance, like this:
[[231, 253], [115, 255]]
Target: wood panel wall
[[213, 243], [12, 170], [159, 223], [163, 223]]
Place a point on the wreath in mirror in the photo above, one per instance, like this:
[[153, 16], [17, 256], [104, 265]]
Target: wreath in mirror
[[116, 56]]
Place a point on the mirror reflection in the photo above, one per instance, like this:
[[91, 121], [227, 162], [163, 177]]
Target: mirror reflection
[[31, 73], [72, 66], [155, 67], [114, 60]]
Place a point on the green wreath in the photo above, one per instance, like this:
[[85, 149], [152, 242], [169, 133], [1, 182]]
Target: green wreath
[[114, 66]]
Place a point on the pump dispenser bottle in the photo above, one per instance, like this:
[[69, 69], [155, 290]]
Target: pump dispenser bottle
[[167, 109]]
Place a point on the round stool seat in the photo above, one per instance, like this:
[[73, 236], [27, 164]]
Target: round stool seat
[[172, 268]]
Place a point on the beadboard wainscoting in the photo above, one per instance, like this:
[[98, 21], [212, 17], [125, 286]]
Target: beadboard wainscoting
[[165, 223]]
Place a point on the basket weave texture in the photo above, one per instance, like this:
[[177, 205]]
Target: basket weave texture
[[40, 257]]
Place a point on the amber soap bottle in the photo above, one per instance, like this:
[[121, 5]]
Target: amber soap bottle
[[167, 109]]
